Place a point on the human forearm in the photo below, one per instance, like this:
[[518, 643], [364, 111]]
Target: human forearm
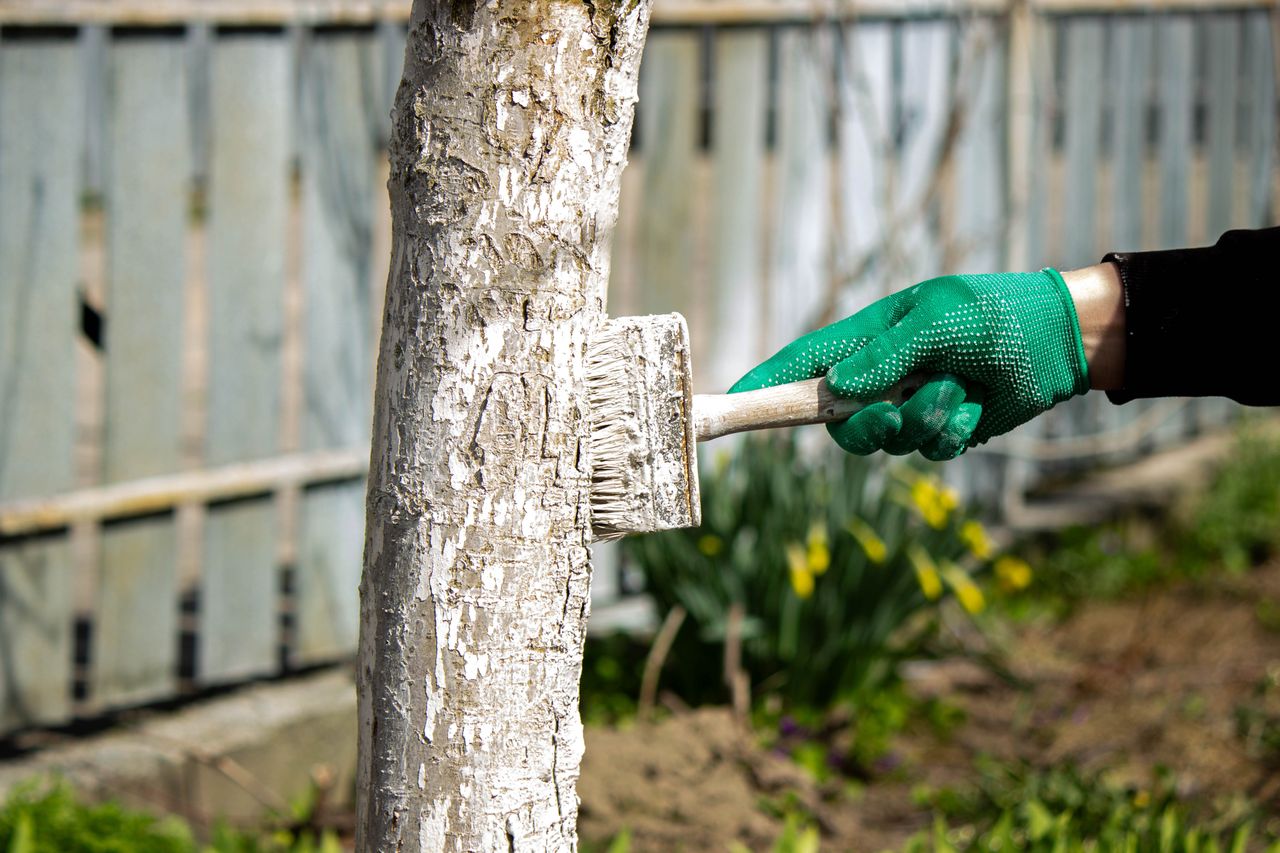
[[1099, 302]]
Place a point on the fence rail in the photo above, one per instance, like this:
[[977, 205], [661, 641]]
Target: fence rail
[[193, 240]]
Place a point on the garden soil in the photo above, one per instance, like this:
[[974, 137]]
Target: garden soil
[[1130, 686]]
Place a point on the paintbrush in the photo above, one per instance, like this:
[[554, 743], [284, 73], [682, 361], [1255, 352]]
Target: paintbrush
[[646, 422]]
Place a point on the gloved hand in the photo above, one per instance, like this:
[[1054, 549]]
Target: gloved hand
[[997, 350]]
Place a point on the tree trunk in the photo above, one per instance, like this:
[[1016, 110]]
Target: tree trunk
[[510, 134]]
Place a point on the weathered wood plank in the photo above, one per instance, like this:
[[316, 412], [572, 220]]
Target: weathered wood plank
[[1129, 82], [800, 269], [40, 150], [738, 151], [391, 44], [1223, 54], [667, 115], [338, 164], [147, 199], [923, 108], [978, 214], [1034, 239], [248, 208], [865, 157], [1260, 138], [1175, 70], [665, 12], [1085, 59], [152, 495]]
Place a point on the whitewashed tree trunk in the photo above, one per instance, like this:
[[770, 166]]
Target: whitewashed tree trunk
[[510, 135]]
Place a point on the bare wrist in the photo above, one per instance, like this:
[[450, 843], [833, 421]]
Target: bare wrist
[[1099, 302]]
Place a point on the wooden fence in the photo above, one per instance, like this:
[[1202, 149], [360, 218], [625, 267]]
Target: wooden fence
[[193, 241]]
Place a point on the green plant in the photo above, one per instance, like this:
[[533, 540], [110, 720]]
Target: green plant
[[1231, 524], [1258, 720], [1015, 807], [1235, 522], [49, 819], [798, 835], [1099, 562], [611, 670], [834, 561], [854, 741]]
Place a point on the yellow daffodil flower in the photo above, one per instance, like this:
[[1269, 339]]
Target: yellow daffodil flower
[[926, 572], [1013, 573], [975, 538], [798, 567], [967, 592], [933, 501], [818, 554], [872, 545]]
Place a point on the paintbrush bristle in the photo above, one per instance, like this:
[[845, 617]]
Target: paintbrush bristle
[[643, 465]]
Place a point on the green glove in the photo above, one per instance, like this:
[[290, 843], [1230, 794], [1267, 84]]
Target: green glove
[[998, 350]]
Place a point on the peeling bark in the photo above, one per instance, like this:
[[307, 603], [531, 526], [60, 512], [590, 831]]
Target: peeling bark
[[510, 135]]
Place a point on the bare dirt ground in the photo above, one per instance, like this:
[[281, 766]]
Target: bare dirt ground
[[1130, 686]]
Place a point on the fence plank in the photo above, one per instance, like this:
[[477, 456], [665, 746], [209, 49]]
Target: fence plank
[[392, 38], [1221, 125], [668, 123], [1223, 34], [864, 93], [1129, 82], [741, 74], [1175, 71], [1260, 138], [338, 161], [40, 152], [978, 215], [924, 106], [1083, 128], [1039, 147], [147, 188], [248, 207], [800, 273]]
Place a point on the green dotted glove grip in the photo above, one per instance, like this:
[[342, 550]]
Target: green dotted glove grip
[[999, 349]]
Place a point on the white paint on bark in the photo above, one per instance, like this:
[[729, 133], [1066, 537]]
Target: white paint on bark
[[510, 134]]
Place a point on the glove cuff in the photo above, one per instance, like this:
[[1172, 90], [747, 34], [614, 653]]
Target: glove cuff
[[1065, 337]]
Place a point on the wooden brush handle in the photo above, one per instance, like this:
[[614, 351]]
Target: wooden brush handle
[[808, 402]]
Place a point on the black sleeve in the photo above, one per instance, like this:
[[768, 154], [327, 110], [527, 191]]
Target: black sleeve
[[1200, 322]]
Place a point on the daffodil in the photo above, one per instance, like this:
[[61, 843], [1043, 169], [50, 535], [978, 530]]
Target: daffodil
[[818, 552], [710, 544], [926, 572], [798, 567], [933, 501], [1013, 573], [872, 545], [975, 538], [967, 592]]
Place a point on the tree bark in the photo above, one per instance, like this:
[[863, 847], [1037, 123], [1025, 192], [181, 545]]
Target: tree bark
[[510, 135]]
